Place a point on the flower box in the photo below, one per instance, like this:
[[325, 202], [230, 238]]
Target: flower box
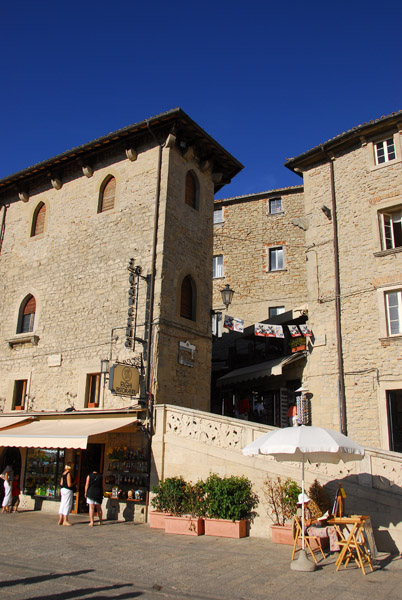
[[184, 525], [157, 519], [226, 528], [282, 534]]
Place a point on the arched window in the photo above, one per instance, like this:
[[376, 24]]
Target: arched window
[[38, 221], [188, 297], [107, 195], [27, 315], [192, 187]]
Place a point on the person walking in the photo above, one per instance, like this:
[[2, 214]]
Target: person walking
[[15, 493], [94, 492], [67, 496], [7, 476]]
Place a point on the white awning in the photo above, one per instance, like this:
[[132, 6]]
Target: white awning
[[61, 433], [11, 421], [265, 369]]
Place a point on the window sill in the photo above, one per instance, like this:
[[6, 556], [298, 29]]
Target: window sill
[[277, 214], [23, 338], [389, 251], [390, 338], [388, 163], [277, 271]]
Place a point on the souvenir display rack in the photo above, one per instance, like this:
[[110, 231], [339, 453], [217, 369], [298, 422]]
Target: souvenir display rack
[[126, 474], [44, 468]]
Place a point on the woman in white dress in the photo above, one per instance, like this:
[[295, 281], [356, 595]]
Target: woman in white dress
[[67, 496]]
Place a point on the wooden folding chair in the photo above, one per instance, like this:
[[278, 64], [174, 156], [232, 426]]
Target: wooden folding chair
[[298, 535]]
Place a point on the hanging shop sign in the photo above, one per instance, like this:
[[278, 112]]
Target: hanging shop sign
[[124, 380]]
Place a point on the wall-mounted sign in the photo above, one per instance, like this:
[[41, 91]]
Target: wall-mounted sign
[[124, 380], [186, 354]]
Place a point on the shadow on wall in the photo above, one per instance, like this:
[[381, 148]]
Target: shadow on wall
[[383, 507]]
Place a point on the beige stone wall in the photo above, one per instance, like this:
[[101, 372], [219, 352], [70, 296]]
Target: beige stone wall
[[194, 444], [244, 237], [371, 358], [77, 271]]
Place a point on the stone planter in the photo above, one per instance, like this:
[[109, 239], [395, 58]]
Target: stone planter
[[184, 525], [282, 534], [157, 519], [226, 528]]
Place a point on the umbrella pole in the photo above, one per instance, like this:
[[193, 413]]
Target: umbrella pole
[[303, 542], [302, 563]]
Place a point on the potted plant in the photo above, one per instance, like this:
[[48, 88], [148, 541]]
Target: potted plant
[[167, 499], [281, 503], [229, 504], [297, 343], [186, 516]]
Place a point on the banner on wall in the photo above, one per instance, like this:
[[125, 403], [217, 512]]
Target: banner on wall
[[234, 324]]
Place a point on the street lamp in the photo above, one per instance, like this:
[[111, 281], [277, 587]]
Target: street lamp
[[227, 295]]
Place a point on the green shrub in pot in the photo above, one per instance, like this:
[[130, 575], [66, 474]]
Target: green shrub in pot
[[229, 498]]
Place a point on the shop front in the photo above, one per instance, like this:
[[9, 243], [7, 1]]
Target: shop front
[[115, 445], [267, 389]]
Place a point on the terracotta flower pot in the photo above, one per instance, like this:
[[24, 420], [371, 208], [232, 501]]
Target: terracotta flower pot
[[226, 528], [157, 519], [282, 534], [184, 525]]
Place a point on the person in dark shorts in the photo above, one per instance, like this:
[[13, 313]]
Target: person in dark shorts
[[94, 492]]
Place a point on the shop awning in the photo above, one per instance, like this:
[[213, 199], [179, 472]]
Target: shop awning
[[265, 369], [11, 421], [60, 433]]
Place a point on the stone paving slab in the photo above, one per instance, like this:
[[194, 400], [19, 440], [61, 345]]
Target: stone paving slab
[[40, 560]]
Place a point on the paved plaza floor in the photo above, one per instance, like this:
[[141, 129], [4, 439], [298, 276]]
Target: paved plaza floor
[[41, 560]]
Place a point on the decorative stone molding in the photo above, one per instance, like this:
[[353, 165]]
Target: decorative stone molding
[[204, 430]]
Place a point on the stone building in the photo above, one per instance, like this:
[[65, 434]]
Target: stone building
[[106, 255], [259, 252], [353, 200]]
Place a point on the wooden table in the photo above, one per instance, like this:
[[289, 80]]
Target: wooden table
[[352, 541]]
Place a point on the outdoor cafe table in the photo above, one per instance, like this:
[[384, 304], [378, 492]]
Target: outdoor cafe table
[[352, 541]]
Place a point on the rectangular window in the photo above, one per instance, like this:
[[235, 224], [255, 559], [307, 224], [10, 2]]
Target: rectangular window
[[275, 310], [20, 390], [43, 470], [217, 266], [275, 259], [218, 215], [393, 305], [391, 230], [384, 151], [93, 390], [275, 206]]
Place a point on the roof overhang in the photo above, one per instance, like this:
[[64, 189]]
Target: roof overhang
[[259, 371], [64, 432], [176, 120], [6, 422]]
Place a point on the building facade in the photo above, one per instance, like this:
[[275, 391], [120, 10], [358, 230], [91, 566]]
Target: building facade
[[353, 200], [259, 252], [106, 255]]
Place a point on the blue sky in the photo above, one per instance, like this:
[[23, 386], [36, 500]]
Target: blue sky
[[267, 80]]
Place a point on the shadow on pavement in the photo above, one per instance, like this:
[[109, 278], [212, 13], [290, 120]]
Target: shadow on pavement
[[40, 578]]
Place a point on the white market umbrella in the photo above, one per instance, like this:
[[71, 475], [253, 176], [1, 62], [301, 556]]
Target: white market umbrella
[[299, 444]]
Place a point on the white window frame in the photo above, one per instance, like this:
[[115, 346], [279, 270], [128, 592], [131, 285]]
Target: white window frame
[[394, 321], [390, 221], [279, 263], [218, 215], [384, 151], [217, 266], [273, 208], [279, 310]]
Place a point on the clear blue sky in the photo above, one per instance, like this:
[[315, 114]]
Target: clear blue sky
[[268, 80]]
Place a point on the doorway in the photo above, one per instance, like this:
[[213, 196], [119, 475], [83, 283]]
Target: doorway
[[90, 459], [394, 406]]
